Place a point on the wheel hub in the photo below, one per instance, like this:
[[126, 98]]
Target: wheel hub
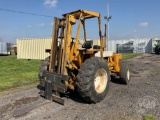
[[128, 75], [101, 80]]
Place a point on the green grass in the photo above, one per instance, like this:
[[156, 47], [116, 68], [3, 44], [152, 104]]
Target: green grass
[[14, 72], [129, 55], [149, 117]]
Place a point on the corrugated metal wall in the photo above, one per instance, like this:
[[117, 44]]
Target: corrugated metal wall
[[33, 48], [3, 48], [140, 45]]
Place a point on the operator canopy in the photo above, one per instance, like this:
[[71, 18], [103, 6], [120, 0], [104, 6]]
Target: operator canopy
[[86, 14]]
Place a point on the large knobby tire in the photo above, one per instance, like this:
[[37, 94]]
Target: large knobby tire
[[93, 79], [43, 69], [125, 73]]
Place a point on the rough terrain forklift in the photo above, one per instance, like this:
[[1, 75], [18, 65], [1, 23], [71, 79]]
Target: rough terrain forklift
[[86, 70]]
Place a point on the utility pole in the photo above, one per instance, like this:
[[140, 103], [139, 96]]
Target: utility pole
[[108, 17]]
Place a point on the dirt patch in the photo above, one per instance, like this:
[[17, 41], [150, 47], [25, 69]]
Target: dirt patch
[[7, 109]]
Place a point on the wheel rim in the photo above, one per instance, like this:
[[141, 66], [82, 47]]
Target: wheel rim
[[128, 75], [101, 80]]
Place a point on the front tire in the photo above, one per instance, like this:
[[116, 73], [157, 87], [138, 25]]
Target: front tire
[[93, 79]]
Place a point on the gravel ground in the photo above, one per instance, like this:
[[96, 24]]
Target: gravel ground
[[123, 102]]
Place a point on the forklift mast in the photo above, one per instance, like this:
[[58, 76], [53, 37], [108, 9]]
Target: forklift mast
[[64, 54]]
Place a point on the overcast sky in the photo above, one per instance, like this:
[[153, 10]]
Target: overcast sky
[[130, 18]]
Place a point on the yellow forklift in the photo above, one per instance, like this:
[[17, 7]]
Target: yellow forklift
[[86, 70]]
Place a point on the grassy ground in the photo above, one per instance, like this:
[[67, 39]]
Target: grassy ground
[[129, 55], [14, 72], [149, 117]]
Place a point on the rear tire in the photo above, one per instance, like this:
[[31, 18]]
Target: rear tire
[[124, 73], [93, 79], [43, 69]]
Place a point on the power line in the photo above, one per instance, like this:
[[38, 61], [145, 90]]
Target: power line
[[14, 11], [8, 10]]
